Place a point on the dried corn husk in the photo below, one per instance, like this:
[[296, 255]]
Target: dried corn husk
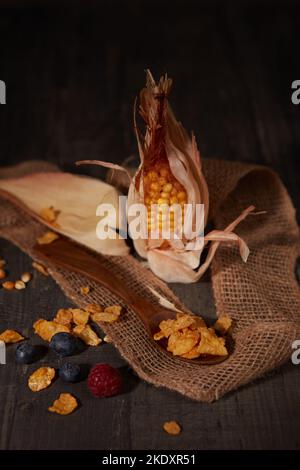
[[75, 198], [167, 143]]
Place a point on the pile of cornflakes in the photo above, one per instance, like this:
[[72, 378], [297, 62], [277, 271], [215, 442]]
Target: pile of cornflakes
[[188, 336], [76, 321]]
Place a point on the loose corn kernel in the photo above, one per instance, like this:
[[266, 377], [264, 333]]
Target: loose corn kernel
[[2, 274], [20, 285], [164, 195], [26, 277], [8, 285]]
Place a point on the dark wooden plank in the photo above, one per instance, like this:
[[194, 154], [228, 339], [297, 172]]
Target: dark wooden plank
[[72, 75]]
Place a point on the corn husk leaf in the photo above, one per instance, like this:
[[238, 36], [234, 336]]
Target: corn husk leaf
[[75, 198]]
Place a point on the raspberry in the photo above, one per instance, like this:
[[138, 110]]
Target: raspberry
[[104, 381]]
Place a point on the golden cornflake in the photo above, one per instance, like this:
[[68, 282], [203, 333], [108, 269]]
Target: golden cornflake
[[64, 316], [181, 342], [40, 268], [94, 308], [87, 334], [8, 285], [49, 214], [110, 314], [85, 290], [47, 238], [107, 339], [64, 405], [172, 427], [80, 317], [223, 324], [11, 336], [46, 329], [41, 378], [211, 344]]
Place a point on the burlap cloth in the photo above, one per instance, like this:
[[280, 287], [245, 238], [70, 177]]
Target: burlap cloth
[[262, 296]]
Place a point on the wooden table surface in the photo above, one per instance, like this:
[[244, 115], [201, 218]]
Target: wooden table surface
[[71, 75]]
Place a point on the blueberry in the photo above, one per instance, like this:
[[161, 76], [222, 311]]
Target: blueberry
[[70, 372], [26, 353], [65, 344]]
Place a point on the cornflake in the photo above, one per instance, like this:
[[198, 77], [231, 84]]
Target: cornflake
[[85, 290], [223, 324], [87, 334], [49, 214], [110, 314], [11, 336], [181, 342], [64, 405], [107, 339], [47, 238], [46, 329], [172, 427], [211, 344], [41, 378], [40, 268], [80, 317], [94, 308], [64, 316]]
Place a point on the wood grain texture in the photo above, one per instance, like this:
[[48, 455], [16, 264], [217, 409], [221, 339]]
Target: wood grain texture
[[72, 74]]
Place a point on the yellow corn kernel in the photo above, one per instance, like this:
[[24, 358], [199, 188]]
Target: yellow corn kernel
[[165, 195], [162, 181], [173, 192], [173, 200], [162, 200], [167, 188], [155, 186], [154, 195], [181, 196], [152, 175]]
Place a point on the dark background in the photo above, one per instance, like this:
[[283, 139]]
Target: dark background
[[72, 71]]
